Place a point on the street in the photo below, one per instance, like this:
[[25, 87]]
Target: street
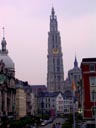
[[57, 120]]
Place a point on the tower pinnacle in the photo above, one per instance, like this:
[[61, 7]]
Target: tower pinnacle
[[53, 12], [3, 43], [75, 62], [53, 21]]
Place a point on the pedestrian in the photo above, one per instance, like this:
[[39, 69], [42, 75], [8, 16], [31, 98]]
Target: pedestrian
[[53, 126], [58, 125]]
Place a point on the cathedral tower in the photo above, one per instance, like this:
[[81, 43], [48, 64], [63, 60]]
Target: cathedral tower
[[55, 74]]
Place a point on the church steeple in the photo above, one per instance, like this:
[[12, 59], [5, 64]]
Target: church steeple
[[75, 63], [53, 13], [53, 21], [3, 43], [55, 75]]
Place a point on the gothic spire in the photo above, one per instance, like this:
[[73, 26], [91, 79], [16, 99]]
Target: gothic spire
[[53, 13], [75, 62], [53, 21]]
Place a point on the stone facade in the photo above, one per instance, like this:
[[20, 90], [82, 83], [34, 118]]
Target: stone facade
[[20, 101], [75, 73], [7, 92], [7, 82], [34, 105], [55, 75]]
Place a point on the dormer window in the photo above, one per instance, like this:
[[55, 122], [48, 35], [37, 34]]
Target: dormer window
[[91, 67]]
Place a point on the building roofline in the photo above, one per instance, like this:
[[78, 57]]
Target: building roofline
[[84, 60]]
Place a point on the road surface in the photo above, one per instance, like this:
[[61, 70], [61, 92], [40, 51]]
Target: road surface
[[57, 120]]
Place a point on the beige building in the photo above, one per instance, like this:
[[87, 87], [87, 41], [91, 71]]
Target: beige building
[[34, 104], [20, 101]]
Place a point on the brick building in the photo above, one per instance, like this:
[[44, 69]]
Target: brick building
[[88, 67]]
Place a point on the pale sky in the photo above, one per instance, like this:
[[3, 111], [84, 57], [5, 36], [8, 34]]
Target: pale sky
[[26, 25]]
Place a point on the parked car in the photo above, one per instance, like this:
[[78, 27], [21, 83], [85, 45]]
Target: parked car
[[45, 122], [51, 120], [88, 124]]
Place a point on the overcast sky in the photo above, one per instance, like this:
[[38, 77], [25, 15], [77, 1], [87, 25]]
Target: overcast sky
[[26, 25]]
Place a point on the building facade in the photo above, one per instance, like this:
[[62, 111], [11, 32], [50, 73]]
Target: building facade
[[75, 73], [7, 83], [88, 67], [55, 103], [47, 102], [55, 74], [20, 101], [59, 104], [34, 104]]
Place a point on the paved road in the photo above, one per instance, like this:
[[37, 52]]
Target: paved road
[[57, 120]]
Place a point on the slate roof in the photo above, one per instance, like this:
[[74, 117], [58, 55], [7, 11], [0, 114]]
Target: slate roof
[[49, 94]]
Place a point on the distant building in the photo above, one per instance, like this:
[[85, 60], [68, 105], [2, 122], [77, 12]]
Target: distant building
[[59, 104], [88, 67], [7, 82], [36, 89], [68, 106], [75, 73], [47, 102], [34, 104], [27, 89], [55, 103], [55, 73], [20, 101]]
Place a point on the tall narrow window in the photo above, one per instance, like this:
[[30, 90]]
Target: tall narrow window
[[92, 81], [53, 41], [93, 111], [91, 67], [93, 96], [58, 78], [58, 61], [58, 69]]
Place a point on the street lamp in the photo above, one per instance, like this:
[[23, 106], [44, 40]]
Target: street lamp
[[94, 93]]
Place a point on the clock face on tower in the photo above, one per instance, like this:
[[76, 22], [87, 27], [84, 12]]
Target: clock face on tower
[[55, 51]]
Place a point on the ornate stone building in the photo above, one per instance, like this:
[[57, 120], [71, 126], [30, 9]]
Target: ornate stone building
[[55, 75], [73, 74], [7, 82]]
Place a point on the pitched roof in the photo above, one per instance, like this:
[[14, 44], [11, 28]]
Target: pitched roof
[[49, 94]]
